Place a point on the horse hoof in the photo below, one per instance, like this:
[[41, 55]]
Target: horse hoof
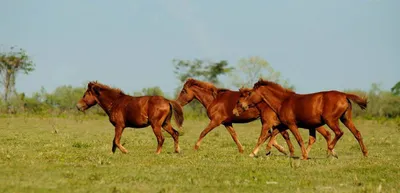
[[268, 153], [252, 155]]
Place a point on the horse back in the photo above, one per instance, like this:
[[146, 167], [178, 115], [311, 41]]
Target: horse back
[[310, 109]]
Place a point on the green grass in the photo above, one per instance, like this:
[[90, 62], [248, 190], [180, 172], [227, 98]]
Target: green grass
[[72, 155]]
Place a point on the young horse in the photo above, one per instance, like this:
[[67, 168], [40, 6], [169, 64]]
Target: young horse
[[135, 112], [219, 104], [269, 119], [308, 110]]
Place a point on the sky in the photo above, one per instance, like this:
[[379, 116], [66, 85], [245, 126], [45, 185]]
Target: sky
[[317, 45]]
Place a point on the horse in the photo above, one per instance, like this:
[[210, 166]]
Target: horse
[[135, 112], [308, 110], [269, 119], [219, 103]]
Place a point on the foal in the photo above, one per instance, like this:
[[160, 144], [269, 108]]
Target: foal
[[135, 112], [307, 110]]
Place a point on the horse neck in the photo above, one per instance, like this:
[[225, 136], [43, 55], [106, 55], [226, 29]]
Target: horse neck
[[107, 99], [275, 97], [205, 98]]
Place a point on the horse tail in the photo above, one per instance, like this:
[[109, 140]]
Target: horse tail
[[362, 102], [178, 112]]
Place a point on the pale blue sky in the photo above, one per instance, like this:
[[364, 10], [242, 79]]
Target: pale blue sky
[[317, 45]]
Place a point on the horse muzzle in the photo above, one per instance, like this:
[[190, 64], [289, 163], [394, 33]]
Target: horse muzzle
[[81, 107]]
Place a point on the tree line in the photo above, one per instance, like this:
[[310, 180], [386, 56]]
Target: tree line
[[62, 101]]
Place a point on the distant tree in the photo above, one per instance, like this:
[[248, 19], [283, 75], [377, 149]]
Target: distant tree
[[12, 63], [396, 89], [200, 69], [65, 97], [250, 70]]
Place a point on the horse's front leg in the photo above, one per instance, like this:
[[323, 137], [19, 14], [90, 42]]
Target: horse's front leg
[[117, 139], [273, 142], [261, 139], [295, 130], [213, 124]]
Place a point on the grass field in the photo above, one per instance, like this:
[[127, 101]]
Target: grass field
[[72, 155]]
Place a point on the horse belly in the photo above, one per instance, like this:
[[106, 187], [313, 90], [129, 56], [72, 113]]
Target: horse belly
[[310, 124], [137, 122]]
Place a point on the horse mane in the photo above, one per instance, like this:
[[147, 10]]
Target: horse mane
[[245, 89], [274, 85], [205, 85], [106, 87]]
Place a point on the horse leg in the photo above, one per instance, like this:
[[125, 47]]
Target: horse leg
[[209, 127], [295, 130], [117, 138], [159, 136], [285, 135], [311, 139], [334, 125], [263, 136], [230, 129], [346, 120], [174, 133], [325, 133], [273, 142]]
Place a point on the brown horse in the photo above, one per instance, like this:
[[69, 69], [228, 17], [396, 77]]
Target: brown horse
[[269, 119], [307, 110], [135, 112], [219, 104]]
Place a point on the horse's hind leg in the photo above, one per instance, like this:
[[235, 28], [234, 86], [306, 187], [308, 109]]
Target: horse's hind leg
[[174, 133], [334, 125], [117, 140], [234, 137], [159, 136], [325, 133], [311, 139], [346, 120]]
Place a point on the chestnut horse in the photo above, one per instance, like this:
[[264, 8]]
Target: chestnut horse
[[219, 104], [135, 112], [271, 120], [307, 110]]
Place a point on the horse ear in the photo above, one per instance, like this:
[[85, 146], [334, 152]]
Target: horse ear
[[96, 89]]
